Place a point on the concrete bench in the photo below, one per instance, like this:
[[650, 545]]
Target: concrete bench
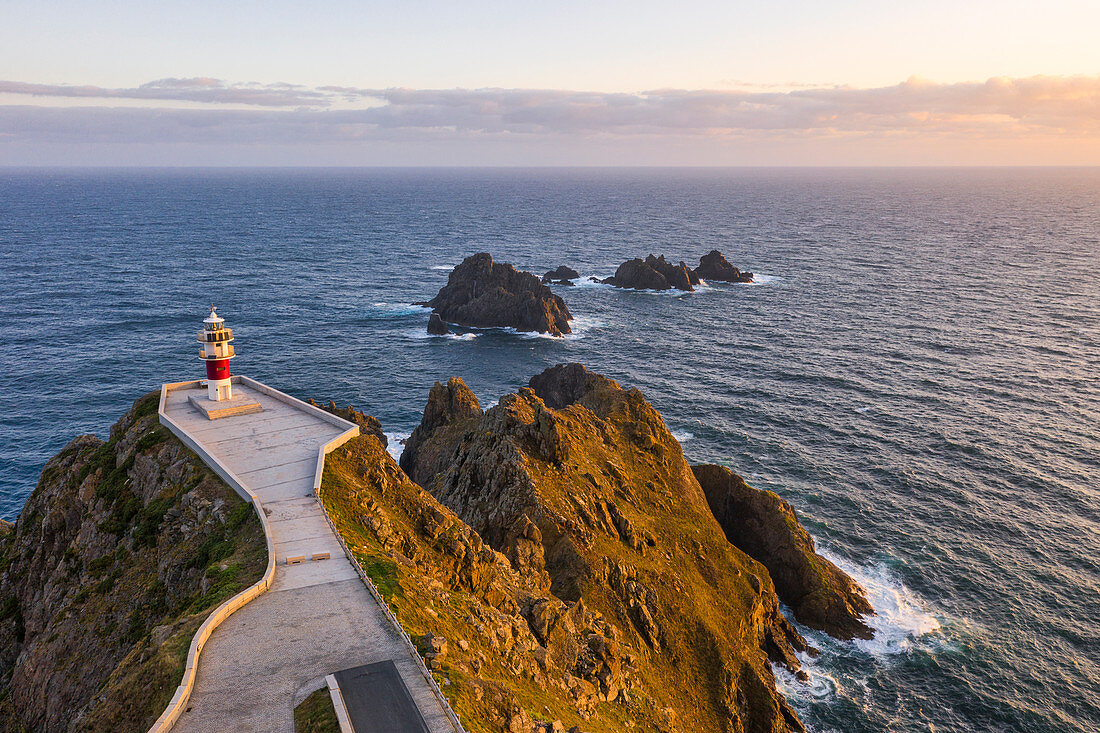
[[296, 560]]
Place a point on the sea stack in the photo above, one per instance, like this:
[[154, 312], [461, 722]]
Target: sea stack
[[653, 273], [482, 294], [713, 266], [436, 326]]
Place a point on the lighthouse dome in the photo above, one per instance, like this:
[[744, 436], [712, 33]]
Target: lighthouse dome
[[213, 318]]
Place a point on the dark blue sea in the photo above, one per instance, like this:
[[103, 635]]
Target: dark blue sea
[[916, 369]]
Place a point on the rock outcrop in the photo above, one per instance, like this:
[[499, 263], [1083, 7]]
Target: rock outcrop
[[713, 266], [482, 294], [579, 489], [561, 276], [367, 423], [452, 409], [653, 273], [119, 554], [436, 326], [764, 526]]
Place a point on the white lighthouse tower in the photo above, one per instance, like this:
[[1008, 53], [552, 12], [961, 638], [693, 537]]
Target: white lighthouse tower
[[217, 350]]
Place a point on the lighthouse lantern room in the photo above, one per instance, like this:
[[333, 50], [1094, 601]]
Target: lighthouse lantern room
[[217, 350]]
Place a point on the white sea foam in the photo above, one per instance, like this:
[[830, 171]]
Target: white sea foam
[[442, 267], [862, 410], [765, 279], [819, 685], [422, 334], [901, 617], [395, 446], [682, 435], [395, 310]]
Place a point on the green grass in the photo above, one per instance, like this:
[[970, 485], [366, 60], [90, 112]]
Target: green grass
[[316, 714]]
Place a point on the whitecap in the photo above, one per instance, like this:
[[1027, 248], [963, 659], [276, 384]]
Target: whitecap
[[442, 267], [819, 685], [682, 436], [901, 617], [395, 446], [862, 410], [765, 279], [395, 310], [422, 334]]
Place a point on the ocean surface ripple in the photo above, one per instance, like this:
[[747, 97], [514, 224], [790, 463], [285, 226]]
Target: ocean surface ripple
[[915, 370]]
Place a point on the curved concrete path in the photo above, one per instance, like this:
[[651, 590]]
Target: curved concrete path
[[317, 618]]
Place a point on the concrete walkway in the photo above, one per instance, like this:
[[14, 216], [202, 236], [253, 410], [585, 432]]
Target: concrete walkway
[[317, 618]]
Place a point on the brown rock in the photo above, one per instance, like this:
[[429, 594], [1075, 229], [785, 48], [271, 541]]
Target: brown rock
[[450, 410], [713, 266], [766, 527], [653, 273], [482, 294]]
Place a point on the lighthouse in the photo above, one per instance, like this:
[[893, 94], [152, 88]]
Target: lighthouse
[[217, 350]]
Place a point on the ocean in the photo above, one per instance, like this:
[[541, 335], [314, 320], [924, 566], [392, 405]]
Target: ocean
[[915, 370]]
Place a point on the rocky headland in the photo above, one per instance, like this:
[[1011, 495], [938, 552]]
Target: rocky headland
[[119, 554], [561, 561], [482, 294]]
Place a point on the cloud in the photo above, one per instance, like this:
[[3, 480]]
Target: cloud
[[195, 89], [1004, 109]]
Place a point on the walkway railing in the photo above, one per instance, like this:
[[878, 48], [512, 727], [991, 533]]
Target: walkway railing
[[178, 704]]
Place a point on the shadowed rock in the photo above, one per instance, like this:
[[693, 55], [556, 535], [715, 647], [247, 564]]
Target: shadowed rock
[[653, 273], [766, 527], [713, 266], [561, 276], [436, 326], [482, 294]]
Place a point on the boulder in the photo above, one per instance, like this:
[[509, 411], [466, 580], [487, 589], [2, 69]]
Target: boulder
[[436, 326], [561, 276], [766, 528], [482, 294], [713, 266]]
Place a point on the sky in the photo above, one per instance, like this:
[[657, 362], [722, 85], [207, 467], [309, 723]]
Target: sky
[[790, 82]]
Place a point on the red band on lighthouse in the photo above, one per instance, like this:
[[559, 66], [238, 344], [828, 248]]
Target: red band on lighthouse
[[217, 369]]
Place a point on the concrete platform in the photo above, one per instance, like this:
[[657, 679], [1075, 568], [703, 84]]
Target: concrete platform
[[317, 618], [377, 700], [239, 404]]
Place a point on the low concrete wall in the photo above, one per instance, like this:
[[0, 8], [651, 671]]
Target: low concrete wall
[[178, 704]]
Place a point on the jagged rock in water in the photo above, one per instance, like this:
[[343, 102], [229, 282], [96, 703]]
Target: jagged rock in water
[[561, 276], [120, 553], [450, 410], [821, 595], [653, 273], [578, 483], [713, 266], [436, 326], [482, 294]]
